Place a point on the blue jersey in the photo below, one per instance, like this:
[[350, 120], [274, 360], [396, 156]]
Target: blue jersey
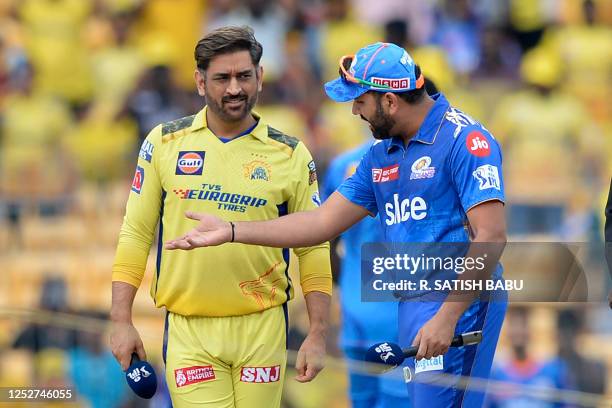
[[551, 374], [362, 323], [423, 190]]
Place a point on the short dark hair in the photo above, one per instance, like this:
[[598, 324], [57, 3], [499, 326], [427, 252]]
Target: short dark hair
[[412, 97], [226, 40]]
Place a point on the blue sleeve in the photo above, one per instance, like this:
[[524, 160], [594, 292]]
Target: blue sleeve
[[358, 188], [476, 167], [333, 178]]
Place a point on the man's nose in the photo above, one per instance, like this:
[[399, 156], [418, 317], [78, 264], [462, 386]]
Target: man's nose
[[234, 86], [355, 109]]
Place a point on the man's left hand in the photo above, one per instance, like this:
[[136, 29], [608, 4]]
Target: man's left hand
[[435, 336], [310, 357]]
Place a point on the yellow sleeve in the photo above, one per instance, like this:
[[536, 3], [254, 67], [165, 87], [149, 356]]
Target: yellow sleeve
[[141, 215], [314, 262]]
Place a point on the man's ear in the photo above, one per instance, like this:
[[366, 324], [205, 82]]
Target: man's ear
[[391, 102], [200, 82], [259, 73]]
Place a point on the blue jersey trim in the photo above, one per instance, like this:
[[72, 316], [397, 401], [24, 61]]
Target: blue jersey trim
[[246, 132], [160, 240], [283, 209], [165, 343]]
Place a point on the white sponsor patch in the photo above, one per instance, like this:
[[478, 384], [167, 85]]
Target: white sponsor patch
[[146, 150], [429, 364], [488, 177], [316, 199]]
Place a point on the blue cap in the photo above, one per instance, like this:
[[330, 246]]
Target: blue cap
[[387, 67]]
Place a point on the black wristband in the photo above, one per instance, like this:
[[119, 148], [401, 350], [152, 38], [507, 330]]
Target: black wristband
[[233, 226]]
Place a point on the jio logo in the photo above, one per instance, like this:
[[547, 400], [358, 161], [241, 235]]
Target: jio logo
[[477, 144]]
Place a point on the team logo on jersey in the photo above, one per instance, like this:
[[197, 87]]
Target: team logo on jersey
[[260, 374], [190, 163], [138, 180], [192, 375], [312, 172], [257, 170], [146, 151], [488, 177], [316, 199], [421, 169], [477, 144], [429, 364], [264, 289], [385, 174]]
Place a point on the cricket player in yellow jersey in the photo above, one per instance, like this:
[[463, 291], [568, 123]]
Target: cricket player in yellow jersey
[[225, 331]]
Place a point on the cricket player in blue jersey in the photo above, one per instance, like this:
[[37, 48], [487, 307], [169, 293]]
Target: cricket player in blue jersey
[[435, 176], [363, 323]]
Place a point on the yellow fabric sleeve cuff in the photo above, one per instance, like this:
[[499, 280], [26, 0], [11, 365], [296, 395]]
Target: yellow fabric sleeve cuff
[[315, 270], [130, 264]]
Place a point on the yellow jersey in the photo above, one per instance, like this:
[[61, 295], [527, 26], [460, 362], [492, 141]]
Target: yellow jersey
[[262, 175]]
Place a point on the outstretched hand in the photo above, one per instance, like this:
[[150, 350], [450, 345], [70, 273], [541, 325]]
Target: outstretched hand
[[210, 231]]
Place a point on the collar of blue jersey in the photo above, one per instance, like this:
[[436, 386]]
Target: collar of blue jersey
[[260, 131], [430, 127]]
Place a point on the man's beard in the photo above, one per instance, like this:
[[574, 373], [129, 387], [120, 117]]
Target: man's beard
[[228, 115], [381, 124]]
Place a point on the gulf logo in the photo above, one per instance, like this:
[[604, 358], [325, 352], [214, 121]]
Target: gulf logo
[[190, 163]]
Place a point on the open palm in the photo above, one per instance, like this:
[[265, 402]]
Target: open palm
[[210, 231]]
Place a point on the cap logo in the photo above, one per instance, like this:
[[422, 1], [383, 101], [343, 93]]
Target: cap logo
[[406, 59], [397, 84]]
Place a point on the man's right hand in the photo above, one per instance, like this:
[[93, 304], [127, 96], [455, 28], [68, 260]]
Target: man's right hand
[[125, 340], [210, 231]]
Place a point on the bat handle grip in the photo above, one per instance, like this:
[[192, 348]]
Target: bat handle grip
[[410, 351], [134, 358], [464, 339]]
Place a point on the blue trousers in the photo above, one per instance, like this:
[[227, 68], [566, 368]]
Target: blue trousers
[[469, 361]]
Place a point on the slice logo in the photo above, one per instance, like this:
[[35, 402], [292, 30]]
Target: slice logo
[[400, 211], [190, 163], [192, 375], [385, 174], [260, 374], [477, 144], [138, 180]]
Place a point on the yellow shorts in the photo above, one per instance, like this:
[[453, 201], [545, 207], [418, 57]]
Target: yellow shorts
[[236, 361]]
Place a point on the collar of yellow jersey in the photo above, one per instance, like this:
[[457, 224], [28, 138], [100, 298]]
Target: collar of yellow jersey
[[260, 132]]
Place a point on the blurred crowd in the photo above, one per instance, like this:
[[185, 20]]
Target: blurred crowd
[[83, 81]]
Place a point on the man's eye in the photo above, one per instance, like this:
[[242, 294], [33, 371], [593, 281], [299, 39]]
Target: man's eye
[[245, 75]]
